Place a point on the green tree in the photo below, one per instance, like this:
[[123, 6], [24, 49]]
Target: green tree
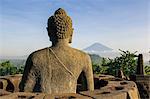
[[20, 69], [7, 68], [99, 65], [127, 62]]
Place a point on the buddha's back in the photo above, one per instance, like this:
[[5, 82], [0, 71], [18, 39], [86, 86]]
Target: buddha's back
[[56, 69]]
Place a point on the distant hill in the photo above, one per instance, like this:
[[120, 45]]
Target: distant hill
[[96, 59], [14, 57], [15, 62], [97, 47], [101, 50]]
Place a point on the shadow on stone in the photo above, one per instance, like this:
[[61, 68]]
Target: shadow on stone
[[81, 83], [123, 83], [99, 83], [10, 86], [119, 88]]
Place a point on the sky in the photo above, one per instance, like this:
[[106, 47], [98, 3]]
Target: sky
[[118, 24]]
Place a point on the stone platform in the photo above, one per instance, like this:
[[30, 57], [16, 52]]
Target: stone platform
[[106, 87]]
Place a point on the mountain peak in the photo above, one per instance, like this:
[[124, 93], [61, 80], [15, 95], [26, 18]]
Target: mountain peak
[[97, 47]]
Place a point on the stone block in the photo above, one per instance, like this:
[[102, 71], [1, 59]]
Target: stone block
[[115, 90], [66, 96], [99, 94], [4, 92]]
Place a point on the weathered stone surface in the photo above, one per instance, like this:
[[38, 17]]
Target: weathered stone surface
[[4, 92], [20, 95], [66, 96], [10, 96], [10, 82], [15, 81], [133, 93], [143, 84], [142, 81], [99, 94], [26, 95], [57, 68], [3, 83], [115, 90], [104, 77]]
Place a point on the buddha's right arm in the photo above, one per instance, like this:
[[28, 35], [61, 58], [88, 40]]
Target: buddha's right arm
[[28, 79]]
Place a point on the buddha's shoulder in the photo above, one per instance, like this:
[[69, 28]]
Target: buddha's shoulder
[[80, 52], [39, 53]]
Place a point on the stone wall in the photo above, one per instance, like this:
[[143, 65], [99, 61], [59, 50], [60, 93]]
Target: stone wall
[[106, 87]]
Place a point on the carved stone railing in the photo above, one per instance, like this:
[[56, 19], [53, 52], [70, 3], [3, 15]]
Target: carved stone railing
[[106, 87]]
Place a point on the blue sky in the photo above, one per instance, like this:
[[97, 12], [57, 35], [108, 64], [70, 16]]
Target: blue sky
[[118, 24]]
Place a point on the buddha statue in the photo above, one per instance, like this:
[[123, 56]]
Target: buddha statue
[[56, 69]]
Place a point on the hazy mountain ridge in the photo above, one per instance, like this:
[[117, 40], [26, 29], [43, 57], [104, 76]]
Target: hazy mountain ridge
[[97, 47], [107, 52], [13, 57], [101, 50], [15, 62]]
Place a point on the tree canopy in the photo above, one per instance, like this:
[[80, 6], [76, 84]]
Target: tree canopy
[[7, 68]]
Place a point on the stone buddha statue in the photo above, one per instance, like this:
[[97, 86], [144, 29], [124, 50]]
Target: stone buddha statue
[[56, 69]]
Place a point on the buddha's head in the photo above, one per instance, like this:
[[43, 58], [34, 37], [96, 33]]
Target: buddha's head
[[60, 26]]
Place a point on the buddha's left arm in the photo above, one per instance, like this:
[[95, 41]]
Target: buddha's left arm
[[28, 79]]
